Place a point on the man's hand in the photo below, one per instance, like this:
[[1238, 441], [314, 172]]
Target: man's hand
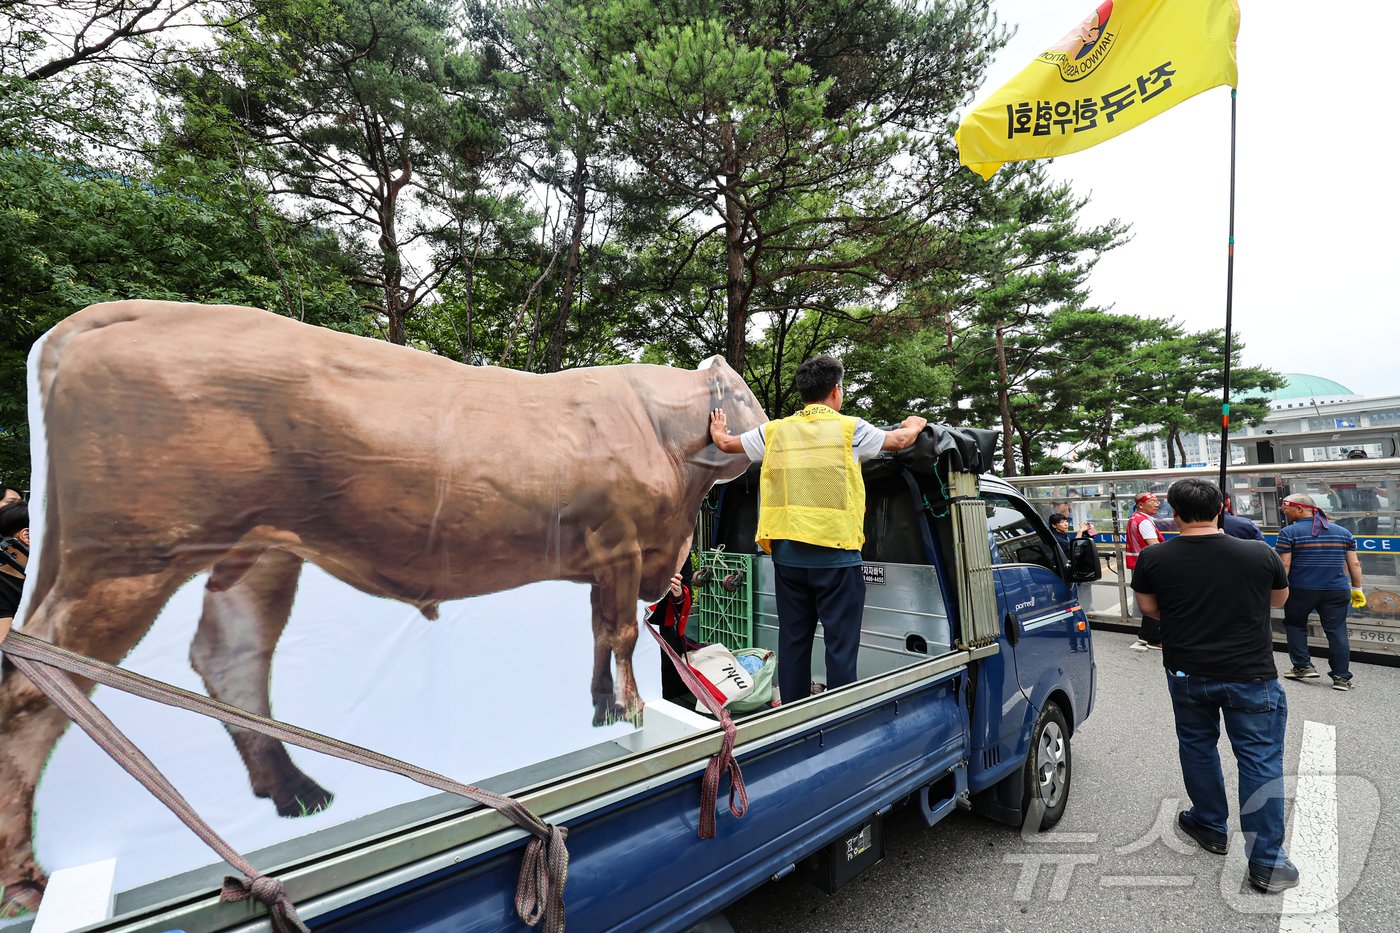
[[719, 433], [676, 585], [719, 424], [1358, 598], [904, 435]]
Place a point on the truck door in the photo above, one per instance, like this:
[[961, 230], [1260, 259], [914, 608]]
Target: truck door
[[1031, 586]]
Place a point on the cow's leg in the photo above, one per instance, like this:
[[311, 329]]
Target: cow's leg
[[624, 643], [29, 727], [103, 621], [615, 637], [605, 710], [232, 651]]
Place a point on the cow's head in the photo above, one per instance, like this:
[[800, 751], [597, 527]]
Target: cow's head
[[729, 391]]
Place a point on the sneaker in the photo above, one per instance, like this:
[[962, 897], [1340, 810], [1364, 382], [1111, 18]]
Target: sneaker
[[1275, 879], [1301, 673], [1156, 647], [1343, 683], [1211, 841], [1139, 645]]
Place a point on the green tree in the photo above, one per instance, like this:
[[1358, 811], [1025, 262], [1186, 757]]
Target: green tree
[[1181, 385], [70, 237], [808, 141], [1093, 356], [372, 117], [556, 55], [1025, 258], [75, 75]]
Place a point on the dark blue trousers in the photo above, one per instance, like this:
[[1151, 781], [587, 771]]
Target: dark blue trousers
[[1331, 607], [836, 597], [1256, 716]]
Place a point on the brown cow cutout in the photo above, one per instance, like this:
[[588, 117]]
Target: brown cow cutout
[[185, 438]]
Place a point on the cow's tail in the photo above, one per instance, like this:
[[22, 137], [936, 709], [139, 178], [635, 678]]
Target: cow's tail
[[44, 520]]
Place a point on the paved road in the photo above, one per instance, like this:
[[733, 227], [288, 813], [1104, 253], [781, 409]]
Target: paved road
[[1115, 862]]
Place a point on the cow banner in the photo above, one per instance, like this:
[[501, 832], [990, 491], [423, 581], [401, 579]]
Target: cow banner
[[440, 562], [1125, 63]]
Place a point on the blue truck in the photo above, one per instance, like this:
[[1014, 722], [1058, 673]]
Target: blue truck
[[975, 669]]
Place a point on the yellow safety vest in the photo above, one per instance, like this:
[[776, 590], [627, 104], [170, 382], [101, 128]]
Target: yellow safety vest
[[810, 488]]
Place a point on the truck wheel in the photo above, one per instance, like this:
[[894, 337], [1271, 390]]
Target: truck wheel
[[1048, 770]]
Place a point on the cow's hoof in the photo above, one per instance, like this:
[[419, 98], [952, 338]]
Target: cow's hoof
[[303, 798], [605, 709], [608, 714], [20, 898]]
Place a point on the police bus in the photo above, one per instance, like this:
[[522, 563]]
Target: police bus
[[1360, 493]]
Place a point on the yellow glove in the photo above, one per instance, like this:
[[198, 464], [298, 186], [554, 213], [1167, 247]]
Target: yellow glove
[[1358, 598]]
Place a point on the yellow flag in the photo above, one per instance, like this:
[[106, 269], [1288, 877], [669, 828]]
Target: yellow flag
[[1124, 64]]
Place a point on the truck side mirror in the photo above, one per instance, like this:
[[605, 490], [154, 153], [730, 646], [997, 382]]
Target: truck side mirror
[[1084, 563]]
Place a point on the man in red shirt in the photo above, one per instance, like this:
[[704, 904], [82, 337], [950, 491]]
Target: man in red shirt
[[1143, 533]]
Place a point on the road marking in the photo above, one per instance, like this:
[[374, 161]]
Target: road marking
[[1312, 906]]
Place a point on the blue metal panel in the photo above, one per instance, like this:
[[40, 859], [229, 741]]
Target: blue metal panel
[[640, 866], [907, 603], [1000, 717], [1050, 613]]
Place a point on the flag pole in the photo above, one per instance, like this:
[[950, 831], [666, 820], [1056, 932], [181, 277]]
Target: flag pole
[[1229, 307]]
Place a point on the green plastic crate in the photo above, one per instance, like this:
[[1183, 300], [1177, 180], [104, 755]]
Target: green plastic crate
[[723, 616]]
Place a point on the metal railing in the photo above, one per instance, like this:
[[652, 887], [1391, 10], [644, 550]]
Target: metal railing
[[1361, 495]]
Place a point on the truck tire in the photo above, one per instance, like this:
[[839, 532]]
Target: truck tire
[[1048, 770]]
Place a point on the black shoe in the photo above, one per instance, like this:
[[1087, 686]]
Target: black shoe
[[1275, 879], [1307, 672], [1213, 842]]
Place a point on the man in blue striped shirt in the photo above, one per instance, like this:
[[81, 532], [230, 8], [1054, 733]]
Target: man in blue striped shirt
[[1321, 560]]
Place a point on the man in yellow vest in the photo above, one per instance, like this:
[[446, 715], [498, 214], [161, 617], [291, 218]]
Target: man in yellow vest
[[812, 519]]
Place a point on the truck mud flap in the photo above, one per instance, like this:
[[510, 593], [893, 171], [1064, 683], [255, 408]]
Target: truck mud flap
[[1002, 801]]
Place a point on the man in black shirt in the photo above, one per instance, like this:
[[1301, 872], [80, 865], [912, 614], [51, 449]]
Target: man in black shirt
[[1213, 593]]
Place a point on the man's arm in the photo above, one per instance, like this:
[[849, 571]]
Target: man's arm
[[1279, 596], [904, 435], [719, 433], [1287, 561], [1147, 603], [1354, 569], [1156, 535]]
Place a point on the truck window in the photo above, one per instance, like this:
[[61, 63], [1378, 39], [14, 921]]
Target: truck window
[[1017, 538]]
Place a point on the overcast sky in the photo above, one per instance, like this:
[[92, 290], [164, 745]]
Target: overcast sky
[[1317, 199]]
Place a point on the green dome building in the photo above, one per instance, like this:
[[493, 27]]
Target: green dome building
[[1305, 390]]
